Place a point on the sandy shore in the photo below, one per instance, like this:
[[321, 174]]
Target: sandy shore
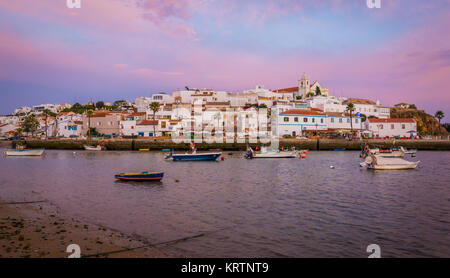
[[37, 230]]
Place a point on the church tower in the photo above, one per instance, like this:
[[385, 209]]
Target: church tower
[[304, 86]]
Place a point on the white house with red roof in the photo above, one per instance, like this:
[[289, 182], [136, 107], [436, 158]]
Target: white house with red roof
[[393, 127], [294, 121]]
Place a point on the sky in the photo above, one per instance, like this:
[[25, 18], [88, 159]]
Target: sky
[[121, 49]]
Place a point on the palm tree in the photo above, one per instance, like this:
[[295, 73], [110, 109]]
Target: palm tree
[[439, 115], [154, 106], [89, 114], [46, 113], [55, 117], [350, 108], [218, 116]]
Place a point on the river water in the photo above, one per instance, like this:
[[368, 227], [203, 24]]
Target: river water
[[249, 208]]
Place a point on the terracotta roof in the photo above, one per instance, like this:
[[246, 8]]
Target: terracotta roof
[[147, 122], [287, 90], [78, 122], [138, 114], [339, 114], [218, 103], [359, 101], [391, 120], [302, 112]]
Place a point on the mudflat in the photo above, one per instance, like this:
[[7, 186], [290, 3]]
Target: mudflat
[[38, 230]]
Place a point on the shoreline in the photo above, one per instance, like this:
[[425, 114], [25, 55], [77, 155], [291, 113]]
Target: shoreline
[[310, 144], [38, 230]]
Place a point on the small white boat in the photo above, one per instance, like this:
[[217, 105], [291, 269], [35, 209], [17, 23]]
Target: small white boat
[[270, 154], [94, 148], [392, 163], [25, 152], [389, 153], [408, 151]]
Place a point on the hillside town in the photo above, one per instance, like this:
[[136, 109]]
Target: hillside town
[[306, 110]]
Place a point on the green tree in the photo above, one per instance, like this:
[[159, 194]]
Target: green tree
[[363, 118], [18, 132], [439, 115], [99, 105], [350, 108], [262, 105], [318, 92], [46, 113], [30, 124], [154, 106], [55, 117]]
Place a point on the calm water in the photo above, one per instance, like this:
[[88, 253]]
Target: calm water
[[257, 208]]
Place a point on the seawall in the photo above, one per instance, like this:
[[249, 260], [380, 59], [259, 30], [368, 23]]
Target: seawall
[[310, 144]]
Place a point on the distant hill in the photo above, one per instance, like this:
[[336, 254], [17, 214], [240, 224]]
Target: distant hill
[[426, 124]]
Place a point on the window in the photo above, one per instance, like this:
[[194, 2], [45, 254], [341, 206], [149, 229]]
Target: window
[[321, 120], [356, 121], [403, 126], [340, 120], [348, 120], [305, 120], [332, 120], [296, 119], [392, 126], [313, 120], [286, 119]]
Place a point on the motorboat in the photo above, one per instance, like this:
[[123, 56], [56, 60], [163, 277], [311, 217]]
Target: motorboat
[[406, 151], [94, 148], [142, 176], [24, 152], [250, 154], [392, 163], [194, 156]]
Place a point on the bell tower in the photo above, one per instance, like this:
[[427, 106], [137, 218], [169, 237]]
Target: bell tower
[[304, 86]]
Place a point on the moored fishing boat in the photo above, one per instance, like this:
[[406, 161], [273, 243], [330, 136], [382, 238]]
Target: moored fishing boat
[[194, 156], [406, 151], [25, 152], [94, 148], [142, 176], [382, 163], [250, 154]]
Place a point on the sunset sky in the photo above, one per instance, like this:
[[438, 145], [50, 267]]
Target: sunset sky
[[121, 49]]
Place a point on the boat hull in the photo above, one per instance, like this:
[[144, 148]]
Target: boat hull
[[140, 176], [275, 155], [91, 148], [25, 152], [196, 157], [394, 167]]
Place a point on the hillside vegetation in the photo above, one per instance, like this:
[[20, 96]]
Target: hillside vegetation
[[426, 124]]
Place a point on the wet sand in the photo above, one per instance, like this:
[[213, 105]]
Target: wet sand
[[38, 230]]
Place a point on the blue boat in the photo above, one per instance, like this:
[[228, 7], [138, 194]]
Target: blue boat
[[338, 150], [194, 156], [142, 176]]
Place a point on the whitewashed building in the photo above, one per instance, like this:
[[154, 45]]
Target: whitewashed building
[[402, 127], [342, 121], [69, 124], [295, 121]]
